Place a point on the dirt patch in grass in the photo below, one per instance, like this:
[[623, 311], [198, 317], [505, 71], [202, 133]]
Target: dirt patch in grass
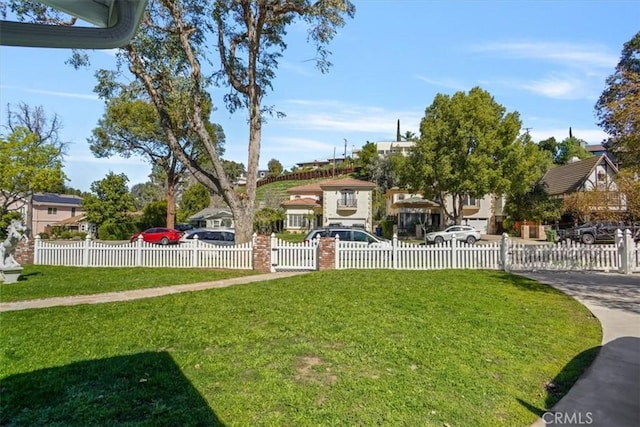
[[310, 371]]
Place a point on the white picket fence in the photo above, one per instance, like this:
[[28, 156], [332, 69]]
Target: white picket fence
[[623, 256], [406, 256], [193, 254]]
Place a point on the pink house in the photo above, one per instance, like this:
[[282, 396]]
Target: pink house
[[50, 209]]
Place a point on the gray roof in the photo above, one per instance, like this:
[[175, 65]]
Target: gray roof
[[207, 213], [57, 199]]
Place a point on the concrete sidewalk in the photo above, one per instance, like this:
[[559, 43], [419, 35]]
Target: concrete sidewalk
[[608, 393], [141, 293]]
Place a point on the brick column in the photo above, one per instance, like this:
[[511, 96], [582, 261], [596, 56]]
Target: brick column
[[326, 253], [262, 253], [24, 252]]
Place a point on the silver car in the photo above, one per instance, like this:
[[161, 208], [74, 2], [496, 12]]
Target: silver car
[[463, 233]]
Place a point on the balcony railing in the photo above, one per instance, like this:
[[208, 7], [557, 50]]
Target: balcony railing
[[347, 204]]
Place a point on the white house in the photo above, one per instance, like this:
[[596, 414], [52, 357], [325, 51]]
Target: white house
[[389, 147], [346, 201], [484, 214]]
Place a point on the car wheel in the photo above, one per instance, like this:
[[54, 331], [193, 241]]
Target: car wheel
[[164, 241], [588, 239], [438, 240], [471, 240]]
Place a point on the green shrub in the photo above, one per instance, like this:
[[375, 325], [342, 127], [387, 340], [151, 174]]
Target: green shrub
[[116, 231], [44, 236]]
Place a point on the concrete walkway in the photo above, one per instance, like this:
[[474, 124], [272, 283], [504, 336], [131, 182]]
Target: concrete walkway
[[141, 293], [608, 393]]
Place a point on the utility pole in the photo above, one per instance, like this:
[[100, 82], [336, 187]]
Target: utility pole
[[334, 162]]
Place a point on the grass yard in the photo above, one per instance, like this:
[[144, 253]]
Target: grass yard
[[458, 348], [41, 281]]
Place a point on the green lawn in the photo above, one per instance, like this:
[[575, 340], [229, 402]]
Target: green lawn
[[53, 281], [458, 348]]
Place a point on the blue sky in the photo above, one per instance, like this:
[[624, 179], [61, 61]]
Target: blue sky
[[547, 60]]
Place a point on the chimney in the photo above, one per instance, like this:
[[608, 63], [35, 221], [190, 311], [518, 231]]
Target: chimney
[[398, 137]]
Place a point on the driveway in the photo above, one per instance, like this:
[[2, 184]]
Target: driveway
[[608, 393]]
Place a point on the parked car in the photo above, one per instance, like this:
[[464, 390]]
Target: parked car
[[347, 234], [160, 235], [183, 227], [224, 237], [463, 233], [602, 232]]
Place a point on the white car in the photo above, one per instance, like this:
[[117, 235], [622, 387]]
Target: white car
[[463, 233], [220, 237]]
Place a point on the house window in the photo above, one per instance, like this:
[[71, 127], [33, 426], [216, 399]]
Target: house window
[[73, 211], [296, 221], [52, 211], [347, 199], [471, 201], [400, 196]]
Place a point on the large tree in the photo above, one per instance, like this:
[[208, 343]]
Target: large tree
[[27, 166], [110, 203], [465, 150], [249, 38], [618, 108], [244, 41], [132, 127]]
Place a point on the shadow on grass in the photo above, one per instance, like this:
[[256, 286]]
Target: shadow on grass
[[141, 389], [557, 388], [528, 284], [25, 276]]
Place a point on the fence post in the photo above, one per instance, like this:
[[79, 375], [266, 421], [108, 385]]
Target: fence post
[[504, 252], [85, 251], [36, 249], [627, 252], [337, 251], [454, 250], [194, 251], [619, 240], [139, 251], [274, 254], [394, 255]]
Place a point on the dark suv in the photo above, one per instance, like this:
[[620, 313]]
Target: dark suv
[[347, 234], [603, 232]]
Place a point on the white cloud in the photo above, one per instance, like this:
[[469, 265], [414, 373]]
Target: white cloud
[[568, 54], [560, 88], [328, 115], [63, 94]]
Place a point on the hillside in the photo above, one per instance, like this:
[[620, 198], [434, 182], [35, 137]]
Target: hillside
[[272, 194]]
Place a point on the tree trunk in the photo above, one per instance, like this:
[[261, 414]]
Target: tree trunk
[[171, 204], [243, 223]]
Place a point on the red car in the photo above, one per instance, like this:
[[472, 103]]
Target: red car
[[160, 235]]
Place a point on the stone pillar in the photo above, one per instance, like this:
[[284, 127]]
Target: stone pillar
[[25, 252], [326, 253], [262, 253], [524, 231]]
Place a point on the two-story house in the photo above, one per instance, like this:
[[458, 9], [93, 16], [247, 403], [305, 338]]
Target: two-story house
[[409, 210], [592, 174], [347, 202]]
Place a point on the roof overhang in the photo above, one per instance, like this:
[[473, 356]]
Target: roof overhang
[[116, 22]]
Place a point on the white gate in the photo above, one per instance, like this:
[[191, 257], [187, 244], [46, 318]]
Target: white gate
[[289, 256]]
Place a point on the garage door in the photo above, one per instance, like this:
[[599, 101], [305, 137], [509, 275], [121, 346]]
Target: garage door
[[479, 224]]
